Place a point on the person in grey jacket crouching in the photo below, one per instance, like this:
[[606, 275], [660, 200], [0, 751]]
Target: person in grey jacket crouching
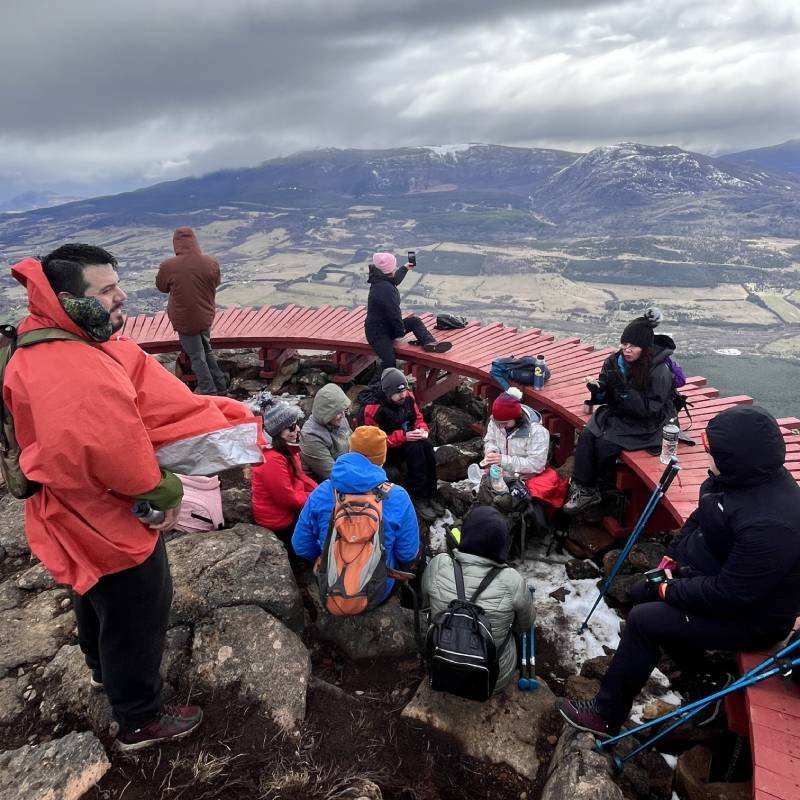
[[506, 600]]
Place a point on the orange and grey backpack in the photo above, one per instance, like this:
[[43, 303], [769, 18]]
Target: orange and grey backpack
[[352, 569]]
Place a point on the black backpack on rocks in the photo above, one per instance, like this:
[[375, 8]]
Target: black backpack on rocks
[[460, 652]]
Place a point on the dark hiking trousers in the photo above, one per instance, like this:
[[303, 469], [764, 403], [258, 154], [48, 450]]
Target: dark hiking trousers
[[420, 461], [383, 345], [684, 636], [210, 378], [122, 622], [595, 459]]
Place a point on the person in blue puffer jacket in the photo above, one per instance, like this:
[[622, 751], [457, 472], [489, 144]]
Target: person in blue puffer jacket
[[359, 471]]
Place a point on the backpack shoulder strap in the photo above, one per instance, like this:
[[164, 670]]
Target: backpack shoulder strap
[[487, 579], [459, 576], [47, 335]]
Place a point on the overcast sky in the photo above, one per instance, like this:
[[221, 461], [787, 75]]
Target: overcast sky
[[98, 96]]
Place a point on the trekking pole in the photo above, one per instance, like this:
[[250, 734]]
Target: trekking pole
[[527, 681], [695, 708], [777, 663], [660, 490]]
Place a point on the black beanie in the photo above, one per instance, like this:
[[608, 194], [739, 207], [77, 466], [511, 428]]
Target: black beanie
[[638, 332], [485, 533]]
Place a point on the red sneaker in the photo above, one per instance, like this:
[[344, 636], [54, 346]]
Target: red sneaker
[[583, 715], [174, 722]]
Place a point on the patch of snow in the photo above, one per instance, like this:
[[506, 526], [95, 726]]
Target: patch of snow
[[728, 351], [437, 532], [448, 149], [672, 762]]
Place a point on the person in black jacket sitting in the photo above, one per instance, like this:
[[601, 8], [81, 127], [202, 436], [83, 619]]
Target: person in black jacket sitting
[[735, 582], [384, 322]]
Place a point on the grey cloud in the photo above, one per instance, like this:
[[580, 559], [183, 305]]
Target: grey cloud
[[112, 93]]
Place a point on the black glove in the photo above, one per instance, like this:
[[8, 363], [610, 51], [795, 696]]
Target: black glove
[[596, 391]]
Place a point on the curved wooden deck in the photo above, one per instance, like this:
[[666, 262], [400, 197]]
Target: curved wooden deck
[[280, 331]]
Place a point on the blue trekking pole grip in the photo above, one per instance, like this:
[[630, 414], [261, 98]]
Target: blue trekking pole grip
[[659, 491]]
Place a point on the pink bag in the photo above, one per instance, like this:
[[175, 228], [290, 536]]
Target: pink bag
[[201, 509]]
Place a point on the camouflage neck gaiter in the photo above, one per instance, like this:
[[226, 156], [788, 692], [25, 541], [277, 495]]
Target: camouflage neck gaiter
[[88, 314]]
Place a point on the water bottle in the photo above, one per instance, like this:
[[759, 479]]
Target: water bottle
[[538, 373], [146, 513], [496, 479], [669, 442]]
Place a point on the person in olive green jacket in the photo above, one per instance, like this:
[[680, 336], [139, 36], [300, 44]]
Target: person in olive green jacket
[[506, 600], [326, 433]]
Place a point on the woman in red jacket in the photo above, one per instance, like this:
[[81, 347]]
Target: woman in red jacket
[[279, 487]]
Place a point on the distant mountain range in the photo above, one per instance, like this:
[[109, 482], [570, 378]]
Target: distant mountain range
[[28, 201], [780, 157], [472, 193]]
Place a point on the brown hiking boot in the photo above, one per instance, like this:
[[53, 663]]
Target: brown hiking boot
[[174, 722]]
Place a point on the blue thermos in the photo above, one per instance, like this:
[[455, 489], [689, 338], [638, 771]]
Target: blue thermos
[[539, 372]]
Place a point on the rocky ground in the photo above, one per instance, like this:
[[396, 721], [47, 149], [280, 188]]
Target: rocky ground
[[302, 705]]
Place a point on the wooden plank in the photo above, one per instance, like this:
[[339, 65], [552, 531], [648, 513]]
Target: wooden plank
[[777, 741], [777, 784]]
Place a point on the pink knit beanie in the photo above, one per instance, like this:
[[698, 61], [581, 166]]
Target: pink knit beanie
[[385, 262]]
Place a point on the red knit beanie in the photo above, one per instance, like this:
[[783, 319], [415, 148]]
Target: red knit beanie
[[508, 406]]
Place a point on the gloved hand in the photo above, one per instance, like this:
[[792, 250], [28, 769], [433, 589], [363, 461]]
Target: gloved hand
[[596, 391]]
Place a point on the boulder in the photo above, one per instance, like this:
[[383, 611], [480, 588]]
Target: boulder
[[236, 506], [595, 668], [457, 497], [12, 527], [63, 769], [691, 779], [581, 569], [11, 595], [577, 772], [35, 631], [453, 460], [66, 691], [385, 632], [579, 688], [248, 648], [643, 556], [36, 578], [503, 730], [450, 425], [245, 565], [11, 705], [586, 541], [619, 591]]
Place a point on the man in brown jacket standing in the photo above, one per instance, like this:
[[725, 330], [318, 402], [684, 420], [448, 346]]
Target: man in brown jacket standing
[[191, 279]]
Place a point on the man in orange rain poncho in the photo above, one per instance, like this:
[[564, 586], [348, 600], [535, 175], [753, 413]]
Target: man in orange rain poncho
[[101, 425]]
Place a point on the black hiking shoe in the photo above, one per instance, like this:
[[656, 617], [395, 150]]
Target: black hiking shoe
[[437, 347], [96, 682], [583, 715], [174, 722], [437, 506], [702, 686], [581, 498], [426, 510]]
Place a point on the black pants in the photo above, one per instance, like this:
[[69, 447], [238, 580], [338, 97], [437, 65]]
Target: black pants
[[383, 344], [420, 461], [654, 626], [122, 622], [595, 459]]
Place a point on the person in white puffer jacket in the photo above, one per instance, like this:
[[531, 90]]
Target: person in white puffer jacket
[[515, 437]]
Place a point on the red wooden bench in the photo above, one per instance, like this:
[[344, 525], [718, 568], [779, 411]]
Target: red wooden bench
[[769, 714]]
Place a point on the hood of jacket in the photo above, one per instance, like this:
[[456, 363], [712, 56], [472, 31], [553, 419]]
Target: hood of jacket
[[746, 445], [44, 308], [184, 242], [355, 473], [376, 276], [529, 418], [329, 401]]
